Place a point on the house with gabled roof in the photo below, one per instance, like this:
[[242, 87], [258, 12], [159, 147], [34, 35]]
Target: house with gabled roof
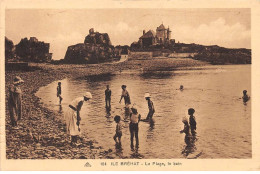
[[161, 36]]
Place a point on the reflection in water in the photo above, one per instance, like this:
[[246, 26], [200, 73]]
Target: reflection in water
[[127, 112], [60, 109], [136, 154], [108, 109], [98, 78], [213, 93], [156, 75], [119, 149], [190, 146]]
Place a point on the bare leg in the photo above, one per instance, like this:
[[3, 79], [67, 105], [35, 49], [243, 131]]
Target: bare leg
[[115, 138], [136, 138]]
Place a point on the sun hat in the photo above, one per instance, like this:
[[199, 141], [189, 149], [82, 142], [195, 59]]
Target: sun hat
[[147, 95], [18, 80], [88, 95]]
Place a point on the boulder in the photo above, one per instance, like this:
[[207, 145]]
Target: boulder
[[96, 48], [32, 50]]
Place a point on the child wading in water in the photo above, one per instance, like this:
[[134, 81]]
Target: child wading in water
[[245, 96], [189, 146], [118, 134], [133, 127], [187, 131], [181, 87], [150, 106], [108, 97], [125, 95], [193, 123], [59, 92]]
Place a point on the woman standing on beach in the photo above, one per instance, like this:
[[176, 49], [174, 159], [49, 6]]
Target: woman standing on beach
[[15, 101], [73, 118]]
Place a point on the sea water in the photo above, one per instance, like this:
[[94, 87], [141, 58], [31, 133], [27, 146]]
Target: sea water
[[223, 120]]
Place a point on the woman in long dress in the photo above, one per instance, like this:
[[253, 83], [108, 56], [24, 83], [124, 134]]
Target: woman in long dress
[[15, 102], [73, 118]]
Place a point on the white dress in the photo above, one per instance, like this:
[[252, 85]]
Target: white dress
[[71, 118]]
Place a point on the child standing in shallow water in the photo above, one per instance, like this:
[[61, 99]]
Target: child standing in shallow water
[[150, 106], [59, 91], [245, 96], [192, 120], [187, 131], [133, 127], [118, 134]]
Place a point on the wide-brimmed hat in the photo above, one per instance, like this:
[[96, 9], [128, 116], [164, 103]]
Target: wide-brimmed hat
[[18, 80], [88, 95], [147, 95]]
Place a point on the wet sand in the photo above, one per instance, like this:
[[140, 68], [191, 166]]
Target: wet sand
[[48, 129]]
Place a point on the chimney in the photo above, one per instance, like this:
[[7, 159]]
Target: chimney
[[143, 32]]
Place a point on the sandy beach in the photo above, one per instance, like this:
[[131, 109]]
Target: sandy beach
[[47, 127]]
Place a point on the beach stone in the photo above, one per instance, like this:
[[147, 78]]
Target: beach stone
[[83, 157], [51, 148]]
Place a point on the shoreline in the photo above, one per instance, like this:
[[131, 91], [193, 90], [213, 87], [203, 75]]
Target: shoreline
[[48, 129]]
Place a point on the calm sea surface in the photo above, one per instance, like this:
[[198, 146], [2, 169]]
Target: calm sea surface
[[223, 121]]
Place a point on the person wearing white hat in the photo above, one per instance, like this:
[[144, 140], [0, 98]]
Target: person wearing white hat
[[73, 118], [150, 106], [15, 101]]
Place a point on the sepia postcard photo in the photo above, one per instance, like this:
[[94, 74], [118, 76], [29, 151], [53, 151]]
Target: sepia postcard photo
[[130, 85]]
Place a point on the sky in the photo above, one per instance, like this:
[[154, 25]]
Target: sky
[[227, 27]]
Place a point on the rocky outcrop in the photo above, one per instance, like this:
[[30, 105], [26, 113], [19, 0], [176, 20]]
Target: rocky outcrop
[[88, 53], [225, 56], [96, 48], [97, 38], [33, 50]]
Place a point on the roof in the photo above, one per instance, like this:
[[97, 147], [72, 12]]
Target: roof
[[148, 34], [161, 27]]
